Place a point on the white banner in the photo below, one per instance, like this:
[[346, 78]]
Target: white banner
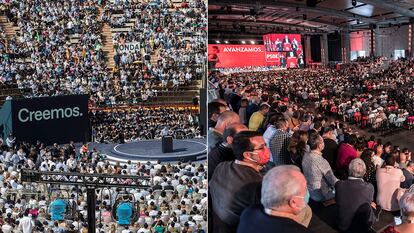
[[129, 47]]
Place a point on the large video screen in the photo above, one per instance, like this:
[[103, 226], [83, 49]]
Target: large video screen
[[230, 56], [287, 45], [283, 43]]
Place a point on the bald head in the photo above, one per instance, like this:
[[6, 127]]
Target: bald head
[[280, 184], [225, 119]]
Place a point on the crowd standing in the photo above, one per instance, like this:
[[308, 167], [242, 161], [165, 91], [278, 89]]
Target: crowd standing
[[300, 124]]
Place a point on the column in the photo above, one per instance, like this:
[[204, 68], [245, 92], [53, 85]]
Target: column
[[378, 42], [324, 49], [346, 46], [308, 55]]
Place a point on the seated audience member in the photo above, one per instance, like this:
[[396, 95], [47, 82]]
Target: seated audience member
[[224, 151], [403, 158], [319, 176], [407, 215], [298, 147], [330, 151], [284, 204], [354, 197], [408, 172], [387, 150], [271, 129], [236, 184], [376, 159], [215, 135], [371, 169], [279, 143], [257, 119], [389, 179], [346, 153]]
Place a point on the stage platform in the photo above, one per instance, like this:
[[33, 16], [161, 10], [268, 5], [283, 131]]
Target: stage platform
[[150, 150]]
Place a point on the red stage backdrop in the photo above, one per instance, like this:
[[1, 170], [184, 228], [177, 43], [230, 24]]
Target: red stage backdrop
[[227, 56], [236, 55]]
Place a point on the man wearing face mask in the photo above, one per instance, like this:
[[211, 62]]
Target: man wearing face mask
[[236, 184], [284, 204], [317, 171]]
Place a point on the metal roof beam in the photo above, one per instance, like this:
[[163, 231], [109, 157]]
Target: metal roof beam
[[392, 6], [270, 3]]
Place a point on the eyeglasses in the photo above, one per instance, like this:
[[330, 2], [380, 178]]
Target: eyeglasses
[[260, 148]]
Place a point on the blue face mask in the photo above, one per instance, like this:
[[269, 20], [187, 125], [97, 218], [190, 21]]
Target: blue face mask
[[307, 196]]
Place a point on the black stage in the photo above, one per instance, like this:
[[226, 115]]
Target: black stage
[[183, 150]]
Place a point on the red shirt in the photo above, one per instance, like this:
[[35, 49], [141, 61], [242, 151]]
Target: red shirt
[[346, 153]]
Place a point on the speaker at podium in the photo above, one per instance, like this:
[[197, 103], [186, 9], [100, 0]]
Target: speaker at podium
[[167, 144]]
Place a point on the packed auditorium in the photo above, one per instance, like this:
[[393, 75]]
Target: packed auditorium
[[90, 91], [310, 116]]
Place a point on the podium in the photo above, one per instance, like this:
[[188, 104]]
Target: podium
[[167, 144]]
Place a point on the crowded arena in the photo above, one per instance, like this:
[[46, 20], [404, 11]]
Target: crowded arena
[[310, 117], [78, 77]]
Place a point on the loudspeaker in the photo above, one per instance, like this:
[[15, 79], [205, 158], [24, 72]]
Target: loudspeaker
[[167, 144]]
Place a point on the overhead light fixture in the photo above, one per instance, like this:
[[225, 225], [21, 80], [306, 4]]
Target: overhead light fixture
[[226, 41], [217, 41], [251, 42], [243, 42]]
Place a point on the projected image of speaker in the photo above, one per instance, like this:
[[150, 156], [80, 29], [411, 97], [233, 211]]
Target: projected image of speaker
[[167, 144]]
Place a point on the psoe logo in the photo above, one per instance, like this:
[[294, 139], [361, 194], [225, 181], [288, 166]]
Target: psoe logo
[[272, 56], [25, 115]]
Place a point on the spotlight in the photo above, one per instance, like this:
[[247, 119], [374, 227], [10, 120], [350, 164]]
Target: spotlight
[[217, 41], [354, 3], [251, 42], [243, 42], [226, 41]]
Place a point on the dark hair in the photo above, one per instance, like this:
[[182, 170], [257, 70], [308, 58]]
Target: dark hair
[[351, 139], [314, 140], [242, 143], [229, 131], [389, 160], [327, 130], [387, 144], [317, 125], [283, 108], [366, 156], [280, 123], [214, 107]]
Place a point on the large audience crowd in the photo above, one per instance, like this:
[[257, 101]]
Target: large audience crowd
[[303, 123], [58, 50], [143, 124], [43, 57], [176, 201]]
